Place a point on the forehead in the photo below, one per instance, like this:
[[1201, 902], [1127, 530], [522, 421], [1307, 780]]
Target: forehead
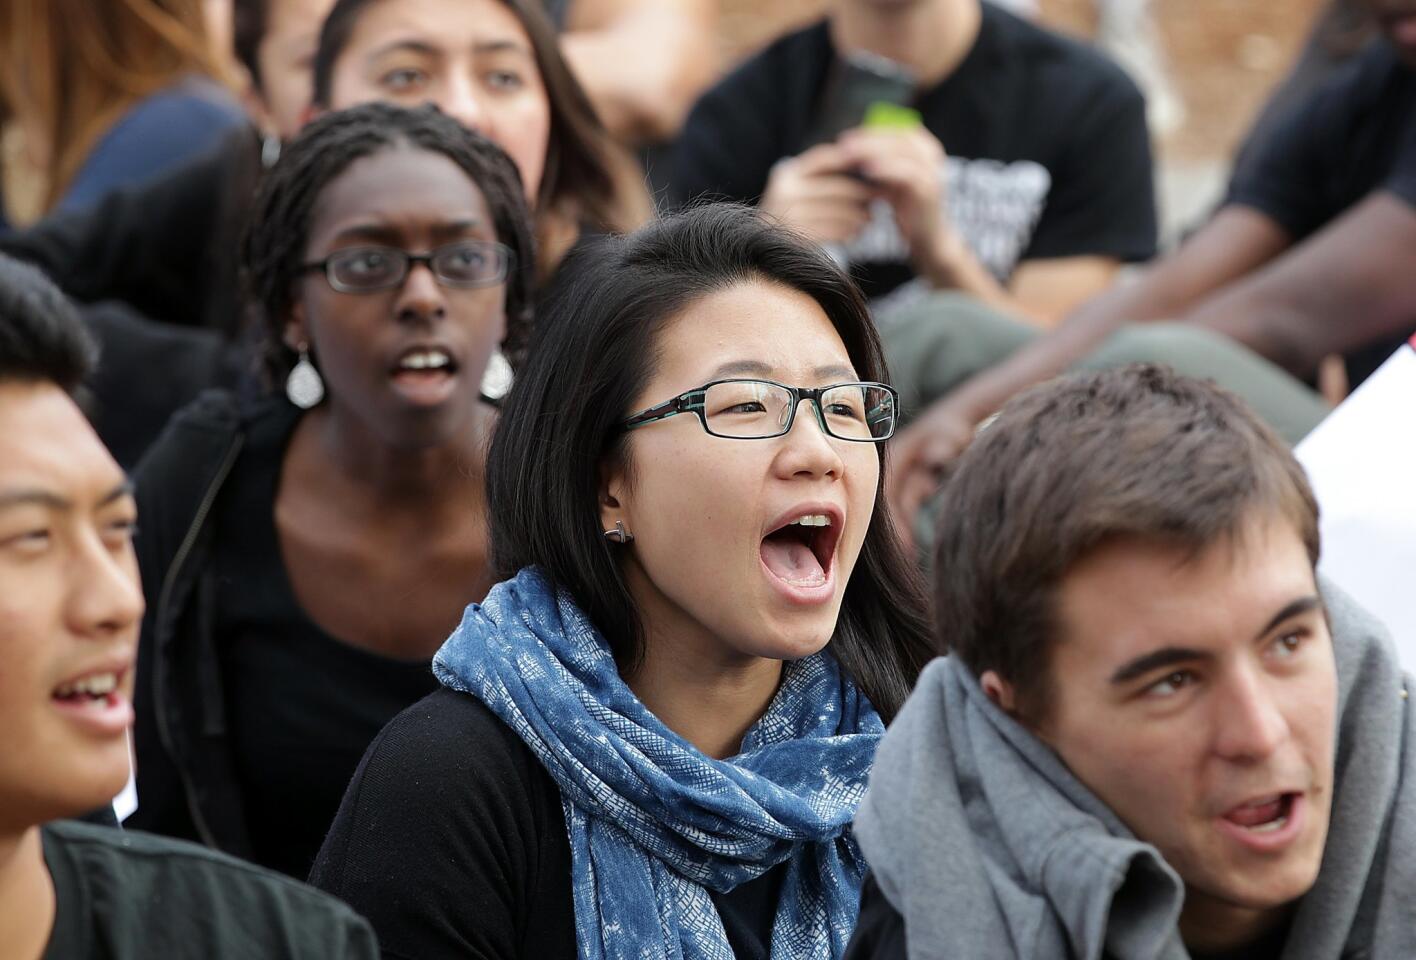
[[45, 442], [448, 25], [1132, 596], [399, 184], [756, 320], [289, 19]]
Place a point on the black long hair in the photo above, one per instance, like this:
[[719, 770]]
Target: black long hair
[[595, 351], [273, 251]]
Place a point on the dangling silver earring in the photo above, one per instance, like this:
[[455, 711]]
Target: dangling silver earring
[[304, 386], [619, 534], [270, 150], [496, 379]]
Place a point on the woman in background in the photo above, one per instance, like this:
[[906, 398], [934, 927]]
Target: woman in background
[[302, 556]]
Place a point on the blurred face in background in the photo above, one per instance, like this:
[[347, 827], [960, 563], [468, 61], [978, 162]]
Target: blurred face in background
[[280, 101], [1397, 20], [472, 58]]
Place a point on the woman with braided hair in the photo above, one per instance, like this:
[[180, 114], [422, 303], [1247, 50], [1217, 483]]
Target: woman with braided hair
[[303, 555]]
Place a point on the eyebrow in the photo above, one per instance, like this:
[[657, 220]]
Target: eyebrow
[[53, 501], [406, 46], [424, 48], [759, 369], [1171, 656], [383, 233]]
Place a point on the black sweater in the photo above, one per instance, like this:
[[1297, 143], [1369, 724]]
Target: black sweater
[[452, 841]]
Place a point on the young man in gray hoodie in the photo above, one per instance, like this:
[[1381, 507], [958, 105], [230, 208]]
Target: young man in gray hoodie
[[1158, 736]]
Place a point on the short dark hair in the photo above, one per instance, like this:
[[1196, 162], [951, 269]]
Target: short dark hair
[[41, 336], [587, 175], [1132, 452], [248, 29], [273, 252], [595, 350]]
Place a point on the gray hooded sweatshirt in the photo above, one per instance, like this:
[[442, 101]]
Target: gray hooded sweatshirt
[[980, 837]]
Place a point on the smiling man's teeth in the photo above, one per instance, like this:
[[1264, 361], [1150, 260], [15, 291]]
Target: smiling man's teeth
[[96, 685], [814, 520], [1271, 826]]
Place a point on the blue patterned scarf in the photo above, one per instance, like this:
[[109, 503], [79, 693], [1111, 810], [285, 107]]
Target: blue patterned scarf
[[654, 824]]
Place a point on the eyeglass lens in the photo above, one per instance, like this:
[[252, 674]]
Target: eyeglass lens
[[753, 408], [458, 264]]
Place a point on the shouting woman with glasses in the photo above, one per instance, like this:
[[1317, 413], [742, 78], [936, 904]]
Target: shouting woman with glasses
[[653, 733], [302, 555]]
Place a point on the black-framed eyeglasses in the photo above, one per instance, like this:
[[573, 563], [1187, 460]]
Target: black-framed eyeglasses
[[759, 409], [467, 263]]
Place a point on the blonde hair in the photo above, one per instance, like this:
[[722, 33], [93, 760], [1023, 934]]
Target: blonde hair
[[73, 67]]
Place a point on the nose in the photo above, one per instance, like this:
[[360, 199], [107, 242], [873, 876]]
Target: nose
[[807, 449], [105, 593], [421, 299], [459, 100], [1249, 724]]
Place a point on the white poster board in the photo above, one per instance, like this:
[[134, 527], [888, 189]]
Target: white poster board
[[1361, 461]]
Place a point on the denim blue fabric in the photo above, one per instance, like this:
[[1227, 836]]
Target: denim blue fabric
[[654, 824]]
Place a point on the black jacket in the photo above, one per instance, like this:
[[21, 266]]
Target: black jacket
[[168, 248], [186, 776]]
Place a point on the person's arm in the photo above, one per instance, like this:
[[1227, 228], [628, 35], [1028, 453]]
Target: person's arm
[[1236, 242], [1346, 286], [642, 62], [146, 245]]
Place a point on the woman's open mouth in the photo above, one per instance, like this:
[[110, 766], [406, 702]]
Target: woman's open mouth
[[424, 375], [799, 553]]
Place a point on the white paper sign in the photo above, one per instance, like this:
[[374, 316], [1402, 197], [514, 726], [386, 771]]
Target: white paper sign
[[1361, 461]]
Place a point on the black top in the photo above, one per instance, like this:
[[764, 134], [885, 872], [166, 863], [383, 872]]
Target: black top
[[1354, 136], [1049, 155], [302, 705], [880, 934], [452, 841], [123, 895]]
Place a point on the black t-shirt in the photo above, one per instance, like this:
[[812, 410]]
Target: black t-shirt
[[452, 841], [303, 706], [1049, 155], [1355, 136], [124, 895]]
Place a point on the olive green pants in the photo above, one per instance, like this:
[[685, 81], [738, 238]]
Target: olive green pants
[[934, 345]]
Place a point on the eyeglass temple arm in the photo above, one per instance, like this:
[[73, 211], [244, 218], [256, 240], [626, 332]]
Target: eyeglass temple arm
[[660, 412]]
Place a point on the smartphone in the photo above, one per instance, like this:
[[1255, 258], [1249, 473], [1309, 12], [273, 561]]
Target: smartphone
[[858, 81]]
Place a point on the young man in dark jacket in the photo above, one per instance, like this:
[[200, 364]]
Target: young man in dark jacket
[[70, 604], [1158, 735]]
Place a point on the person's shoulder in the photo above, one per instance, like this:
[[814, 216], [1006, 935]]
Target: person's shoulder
[[195, 104], [449, 736], [129, 870], [1059, 65], [780, 61]]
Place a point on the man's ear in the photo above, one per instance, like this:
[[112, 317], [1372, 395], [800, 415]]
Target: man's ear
[[1000, 691]]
